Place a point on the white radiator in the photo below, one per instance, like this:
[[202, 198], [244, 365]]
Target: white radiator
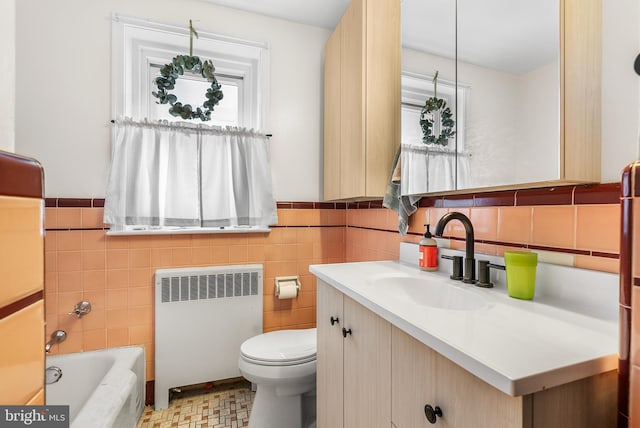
[[202, 316]]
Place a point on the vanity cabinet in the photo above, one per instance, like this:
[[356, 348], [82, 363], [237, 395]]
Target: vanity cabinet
[[372, 374], [421, 376], [362, 100], [353, 363]]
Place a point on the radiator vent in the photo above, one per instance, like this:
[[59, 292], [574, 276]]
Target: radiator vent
[[181, 288], [202, 316]]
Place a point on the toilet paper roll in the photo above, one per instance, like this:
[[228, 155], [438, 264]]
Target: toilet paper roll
[[287, 290]]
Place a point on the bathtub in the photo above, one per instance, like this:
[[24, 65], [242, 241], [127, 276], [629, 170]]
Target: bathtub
[[104, 389]]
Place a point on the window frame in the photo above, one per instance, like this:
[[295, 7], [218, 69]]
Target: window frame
[[416, 88], [139, 44]]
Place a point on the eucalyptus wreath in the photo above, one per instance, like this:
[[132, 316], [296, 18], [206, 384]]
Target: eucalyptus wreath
[[431, 106], [167, 80]]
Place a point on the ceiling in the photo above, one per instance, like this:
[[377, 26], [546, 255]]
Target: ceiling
[[510, 35]]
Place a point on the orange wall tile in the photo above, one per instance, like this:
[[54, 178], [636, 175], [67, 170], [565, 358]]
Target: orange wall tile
[[38, 399], [514, 224], [635, 328], [598, 227], [23, 366], [115, 273], [21, 248], [554, 226], [485, 223], [635, 263]]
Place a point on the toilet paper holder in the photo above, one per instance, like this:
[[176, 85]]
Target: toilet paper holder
[[283, 283]]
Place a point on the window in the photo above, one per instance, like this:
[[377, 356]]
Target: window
[[416, 88], [190, 88], [431, 168], [141, 47], [147, 192]]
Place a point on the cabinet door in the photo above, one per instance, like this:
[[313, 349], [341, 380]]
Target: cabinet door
[[383, 68], [421, 376], [367, 368], [413, 380], [329, 357], [332, 115], [468, 402], [352, 60]]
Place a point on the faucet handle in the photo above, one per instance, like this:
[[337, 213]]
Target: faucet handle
[[80, 309], [457, 266], [484, 278]]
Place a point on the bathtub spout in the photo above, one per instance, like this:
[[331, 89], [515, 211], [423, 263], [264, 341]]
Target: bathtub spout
[[57, 336]]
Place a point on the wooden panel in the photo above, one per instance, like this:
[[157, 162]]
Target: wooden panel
[[581, 83], [367, 368], [587, 403], [329, 358], [421, 376], [332, 115], [352, 136], [21, 248], [382, 92], [22, 356], [468, 402], [413, 380]]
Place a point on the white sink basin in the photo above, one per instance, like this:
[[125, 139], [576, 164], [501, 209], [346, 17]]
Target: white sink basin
[[434, 293]]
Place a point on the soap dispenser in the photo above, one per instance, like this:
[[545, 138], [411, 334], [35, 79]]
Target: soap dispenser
[[428, 252]]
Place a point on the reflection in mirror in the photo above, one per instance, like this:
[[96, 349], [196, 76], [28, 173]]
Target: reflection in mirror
[[508, 55], [507, 75], [430, 167], [429, 46]]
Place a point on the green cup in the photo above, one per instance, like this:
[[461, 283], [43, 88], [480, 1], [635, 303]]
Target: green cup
[[521, 273]]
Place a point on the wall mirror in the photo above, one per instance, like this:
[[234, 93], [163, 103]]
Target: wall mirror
[[523, 78], [498, 64]]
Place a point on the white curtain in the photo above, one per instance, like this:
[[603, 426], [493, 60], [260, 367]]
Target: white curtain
[[180, 174], [432, 169]]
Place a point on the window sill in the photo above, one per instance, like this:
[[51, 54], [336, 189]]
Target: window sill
[[188, 230]]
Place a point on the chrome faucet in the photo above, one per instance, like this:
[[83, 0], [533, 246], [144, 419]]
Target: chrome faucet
[[81, 309], [57, 336], [469, 260]]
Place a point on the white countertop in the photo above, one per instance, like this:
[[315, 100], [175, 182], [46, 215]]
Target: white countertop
[[517, 346]]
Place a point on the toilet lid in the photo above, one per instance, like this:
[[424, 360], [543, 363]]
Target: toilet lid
[[284, 347]]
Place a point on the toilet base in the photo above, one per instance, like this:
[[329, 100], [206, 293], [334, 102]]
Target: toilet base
[[271, 410]]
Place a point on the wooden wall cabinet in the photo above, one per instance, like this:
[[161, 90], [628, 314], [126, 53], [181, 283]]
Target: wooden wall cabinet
[[362, 100], [353, 365]]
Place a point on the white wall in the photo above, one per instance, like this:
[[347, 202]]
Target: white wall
[[63, 57], [7, 74], [64, 88]]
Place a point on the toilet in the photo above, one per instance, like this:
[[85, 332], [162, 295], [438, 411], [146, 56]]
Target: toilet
[[283, 366]]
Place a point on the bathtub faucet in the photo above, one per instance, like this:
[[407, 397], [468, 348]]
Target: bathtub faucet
[[57, 336], [81, 309]]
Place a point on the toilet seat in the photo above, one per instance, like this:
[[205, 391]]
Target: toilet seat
[[281, 348]]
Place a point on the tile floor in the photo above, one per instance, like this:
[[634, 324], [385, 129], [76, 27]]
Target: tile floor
[[225, 406]]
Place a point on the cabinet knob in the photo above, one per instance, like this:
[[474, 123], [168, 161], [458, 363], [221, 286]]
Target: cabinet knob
[[334, 320], [432, 413], [345, 332]]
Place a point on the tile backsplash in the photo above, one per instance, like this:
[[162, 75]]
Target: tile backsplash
[[116, 273]]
